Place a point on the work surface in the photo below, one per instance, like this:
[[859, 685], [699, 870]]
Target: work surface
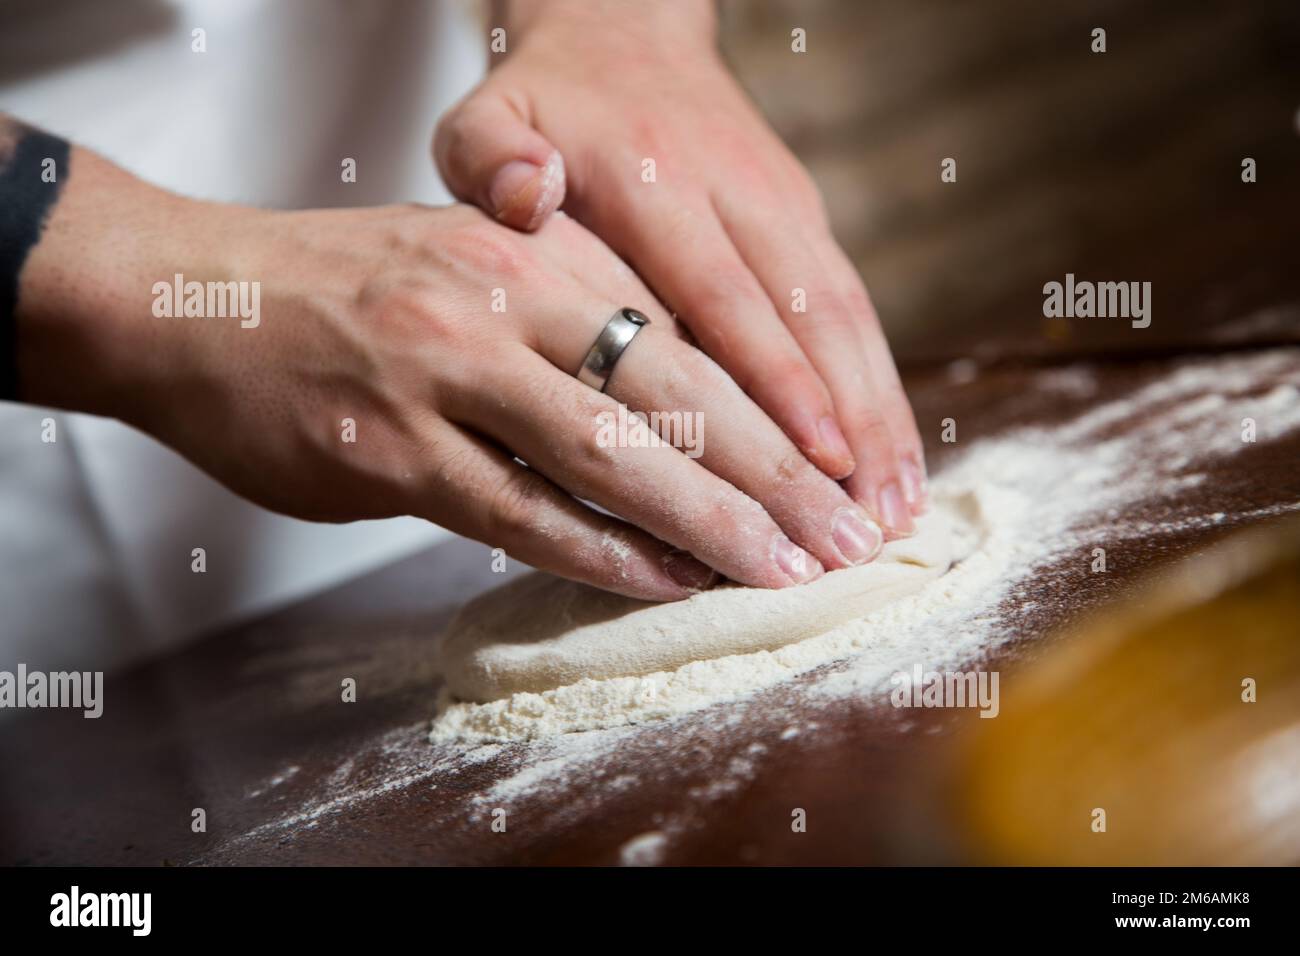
[[250, 727]]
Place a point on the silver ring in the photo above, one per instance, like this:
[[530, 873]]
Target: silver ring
[[613, 340]]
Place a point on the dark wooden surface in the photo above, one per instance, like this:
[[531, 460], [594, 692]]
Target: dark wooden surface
[[1120, 167]]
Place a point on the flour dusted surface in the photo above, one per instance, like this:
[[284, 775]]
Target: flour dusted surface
[[1134, 466]]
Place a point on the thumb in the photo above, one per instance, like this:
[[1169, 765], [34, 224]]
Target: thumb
[[488, 155]]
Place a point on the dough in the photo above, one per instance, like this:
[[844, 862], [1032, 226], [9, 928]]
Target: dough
[[539, 632]]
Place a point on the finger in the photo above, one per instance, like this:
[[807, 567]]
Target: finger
[[574, 250], [747, 449], [898, 410], [681, 390], [490, 155], [505, 504], [834, 338], [688, 259], [561, 427]]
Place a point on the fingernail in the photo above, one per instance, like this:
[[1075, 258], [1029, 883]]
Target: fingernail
[[799, 566], [858, 538], [894, 511], [688, 572], [835, 446], [914, 489], [525, 192]]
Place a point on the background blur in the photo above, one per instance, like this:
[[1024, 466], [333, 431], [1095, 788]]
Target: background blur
[[1122, 166]]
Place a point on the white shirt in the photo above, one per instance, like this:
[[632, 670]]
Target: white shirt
[[98, 527]]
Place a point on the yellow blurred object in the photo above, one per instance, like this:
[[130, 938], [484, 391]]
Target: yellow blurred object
[[1057, 330], [1143, 714]]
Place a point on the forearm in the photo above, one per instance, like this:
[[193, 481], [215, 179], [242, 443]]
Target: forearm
[[81, 260]]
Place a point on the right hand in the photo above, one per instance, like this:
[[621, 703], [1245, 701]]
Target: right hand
[[384, 316], [727, 235]]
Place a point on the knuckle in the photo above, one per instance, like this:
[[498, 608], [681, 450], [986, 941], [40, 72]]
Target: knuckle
[[731, 517], [768, 378], [806, 195], [869, 427], [859, 304], [448, 126], [785, 185], [445, 479], [788, 374], [488, 251], [514, 506], [415, 312], [647, 136], [451, 131], [829, 313], [400, 305], [907, 437], [750, 177], [729, 290], [791, 466], [593, 454]]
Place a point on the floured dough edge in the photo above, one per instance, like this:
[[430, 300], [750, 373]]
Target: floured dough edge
[[589, 703], [540, 632]]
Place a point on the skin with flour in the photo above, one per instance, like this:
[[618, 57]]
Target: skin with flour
[[539, 632]]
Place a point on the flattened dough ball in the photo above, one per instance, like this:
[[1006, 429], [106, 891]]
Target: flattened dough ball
[[539, 632]]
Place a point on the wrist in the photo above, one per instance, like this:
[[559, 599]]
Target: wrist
[[613, 24], [88, 336]]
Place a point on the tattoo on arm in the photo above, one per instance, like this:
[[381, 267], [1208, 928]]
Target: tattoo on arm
[[33, 169]]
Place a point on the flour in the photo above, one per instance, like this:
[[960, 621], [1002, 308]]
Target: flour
[[1113, 477], [646, 849], [1035, 484]]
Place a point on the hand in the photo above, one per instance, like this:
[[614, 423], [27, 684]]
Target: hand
[[729, 229], [384, 317]]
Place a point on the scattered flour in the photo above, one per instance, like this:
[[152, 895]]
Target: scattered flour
[[274, 781], [644, 850], [1053, 494]]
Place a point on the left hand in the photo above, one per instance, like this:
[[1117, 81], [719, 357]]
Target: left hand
[[726, 232]]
